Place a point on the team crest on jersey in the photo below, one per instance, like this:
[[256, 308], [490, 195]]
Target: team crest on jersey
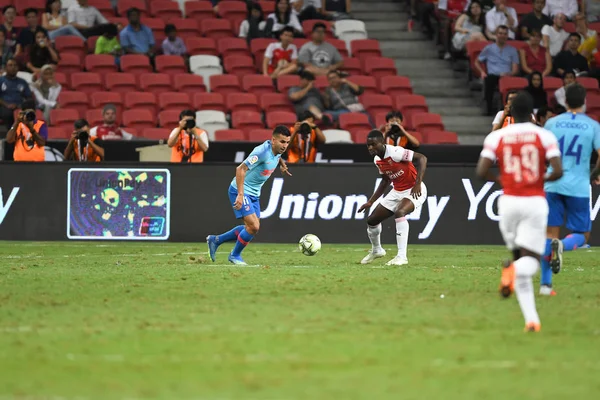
[[252, 160], [390, 161]]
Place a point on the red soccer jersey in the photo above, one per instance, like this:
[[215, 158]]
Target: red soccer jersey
[[275, 53], [397, 165], [521, 151]]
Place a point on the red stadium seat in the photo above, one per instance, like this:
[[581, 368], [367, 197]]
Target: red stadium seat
[[426, 122], [216, 28], [69, 63], [103, 6], [232, 10], [409, 105], [155, 83], [186, 27], [100, 63], [354, 121], [379, 67], [189, 83], [260, 135], [91, 44], [267, 6], [170, 65], [395, 85], [135, 64], [441, 137], [590, 84], [232, 47], [340, 45], [74, 100], [360, 135], [551, 84], [199, 10], [225, 84], [124, 5], [209, 101], [70, 45], [276, 102], [141, 100], [157, 26], [521, 8], [20, 22], [352, 66], [201, 46], [508, 83], [156, 133], [239, 65], [87, 82], [58, 133], [363, 48], [168, 118], [376, 103], [367, 82], [246, 120], [474, 48], [307, 27], [139, 119], [63, 80], [100, 99], [230, 135], [174, 101], [64, 118], [284, 83], [23, 5], [592, 101], [321, 82], [242, 102], [275, 118], [94, 117], [259, 45], [165, 9], [257, 84], [120, 82]]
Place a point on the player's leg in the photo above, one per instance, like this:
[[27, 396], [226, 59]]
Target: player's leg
[[578, 222], [556, 216], [214, 241], [374, 221], [509, 218], [407, 205], [251, 227]]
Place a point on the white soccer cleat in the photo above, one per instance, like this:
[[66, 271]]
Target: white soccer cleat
[[373, 254], [397, 261], [546, 290]]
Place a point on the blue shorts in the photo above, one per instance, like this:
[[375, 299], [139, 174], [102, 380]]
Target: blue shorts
[[250, 206], [575, 209]]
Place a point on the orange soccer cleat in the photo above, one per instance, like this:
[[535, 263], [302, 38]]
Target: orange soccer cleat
[[532, 327], [507, 281]]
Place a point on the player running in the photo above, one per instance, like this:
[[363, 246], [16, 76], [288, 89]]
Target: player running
[[396, 165], [244, 193], [521, 150], [578, 136]]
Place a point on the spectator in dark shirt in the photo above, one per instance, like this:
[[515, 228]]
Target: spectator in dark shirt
[[137, 38], [13, 92], [307, 97], [10, 32], [40, 53], [535, 20], [342, 96], [339, 9], [536, 90], [570, 59], [27, 36]]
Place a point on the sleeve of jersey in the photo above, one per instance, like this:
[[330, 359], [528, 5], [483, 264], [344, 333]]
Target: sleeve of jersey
[[254, 158], [400, 154], [489, 149], [551, 146]]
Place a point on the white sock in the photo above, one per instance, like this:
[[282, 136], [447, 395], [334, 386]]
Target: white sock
[[373, 232], [402, 236], [525, 268]]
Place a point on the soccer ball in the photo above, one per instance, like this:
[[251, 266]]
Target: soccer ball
[[309, 245]]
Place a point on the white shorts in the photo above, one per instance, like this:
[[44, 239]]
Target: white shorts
[[394, 197], [523, 222]]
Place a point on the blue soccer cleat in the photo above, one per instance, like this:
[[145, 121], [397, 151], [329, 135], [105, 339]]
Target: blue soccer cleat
[[236, 260], [211, 240]]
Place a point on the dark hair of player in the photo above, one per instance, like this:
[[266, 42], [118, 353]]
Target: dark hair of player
[[575, 94], [375, 134], [394, 114], [304, 115], [80, 123], [281, 130], [522, 107], [319, 25], [187, 113]]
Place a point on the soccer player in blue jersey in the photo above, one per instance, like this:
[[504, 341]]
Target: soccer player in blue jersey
[[244, 193], [569, 197]]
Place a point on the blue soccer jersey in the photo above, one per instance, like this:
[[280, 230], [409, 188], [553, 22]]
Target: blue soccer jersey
[[261, 163], [578, 136]]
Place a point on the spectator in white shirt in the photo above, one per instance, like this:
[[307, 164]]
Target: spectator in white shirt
[[87, 19], [283, 16], [567, 7], [309, 9], [254, 25], [46, 90], [553, 37], [561, 93], [501, 15]]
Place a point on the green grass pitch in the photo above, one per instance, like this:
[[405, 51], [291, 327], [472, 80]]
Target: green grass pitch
[[158, 321]]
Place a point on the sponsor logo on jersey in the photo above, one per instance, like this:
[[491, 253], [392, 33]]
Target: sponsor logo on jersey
[[253, 160]]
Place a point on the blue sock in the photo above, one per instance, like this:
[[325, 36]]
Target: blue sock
[[546, 278], [231, 235], [242, 241], [573, 241]]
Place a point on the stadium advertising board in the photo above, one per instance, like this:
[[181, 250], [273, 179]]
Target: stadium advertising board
[[319, 199]]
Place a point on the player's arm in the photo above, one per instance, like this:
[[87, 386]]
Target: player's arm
[[557, 171], [240, 175], [384, 184], [420, 163], [483, 170], [284, 168]]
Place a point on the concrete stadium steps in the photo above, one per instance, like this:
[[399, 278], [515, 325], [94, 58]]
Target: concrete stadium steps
[[446, 91]]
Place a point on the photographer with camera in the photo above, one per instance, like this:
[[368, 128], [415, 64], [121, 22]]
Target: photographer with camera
[[82, 146], [305, 141], [28, 134], [187, 141], [395, 134]]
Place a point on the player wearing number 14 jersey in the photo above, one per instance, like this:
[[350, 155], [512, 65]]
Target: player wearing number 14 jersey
[[521, 150]]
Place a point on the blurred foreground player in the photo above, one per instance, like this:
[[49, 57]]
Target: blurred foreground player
[[244, 193], [569, 197], [395, 164], [521, 150]]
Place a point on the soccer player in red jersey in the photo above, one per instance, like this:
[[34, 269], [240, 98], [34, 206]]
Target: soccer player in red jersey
[[521, 150], [397, 166]]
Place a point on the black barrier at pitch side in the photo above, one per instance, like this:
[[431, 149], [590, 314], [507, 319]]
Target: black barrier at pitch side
[[319, 199]]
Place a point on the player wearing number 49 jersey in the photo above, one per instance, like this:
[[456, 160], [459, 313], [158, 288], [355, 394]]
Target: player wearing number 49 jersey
[[569, 197], [521, 151]]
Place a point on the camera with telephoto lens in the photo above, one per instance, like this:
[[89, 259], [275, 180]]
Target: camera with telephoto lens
[[305, 129], [29, 116], [395, 132], [190, 124], [83, 136]]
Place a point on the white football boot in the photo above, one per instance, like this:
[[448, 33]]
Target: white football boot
[[397, 261], [373, 254]]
